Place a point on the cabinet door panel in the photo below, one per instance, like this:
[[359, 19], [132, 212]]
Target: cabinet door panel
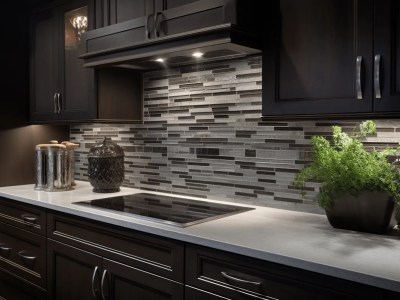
[[77, 82], [125, 281], [310, 57], [70, 272], [43, 67], [124, 10], [387, 45]]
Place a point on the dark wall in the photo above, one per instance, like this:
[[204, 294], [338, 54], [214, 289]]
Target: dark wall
[[17, 138]]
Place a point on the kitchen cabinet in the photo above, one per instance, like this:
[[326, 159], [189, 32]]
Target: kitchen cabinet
[[211, 274], [22, 251], [110, 263], [61, 89], [165, 26], [331, 57]]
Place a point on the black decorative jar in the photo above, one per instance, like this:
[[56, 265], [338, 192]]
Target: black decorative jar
[[106, 167]]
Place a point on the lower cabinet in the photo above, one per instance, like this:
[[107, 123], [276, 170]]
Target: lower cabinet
[[77, 274], [214, 274]]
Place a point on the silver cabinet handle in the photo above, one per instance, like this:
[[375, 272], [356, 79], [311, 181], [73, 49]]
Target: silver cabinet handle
[[55, 102], [104, 279], [148, 32], [157, 24], [59, 103], [29, 218], [95, 291], [377, 76], [359, 77], [27, 259], [230, 277], [4, 250]]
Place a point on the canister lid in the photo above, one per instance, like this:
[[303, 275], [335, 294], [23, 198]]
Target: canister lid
[[106, 149]]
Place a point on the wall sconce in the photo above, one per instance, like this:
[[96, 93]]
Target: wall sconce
[[79, 23]]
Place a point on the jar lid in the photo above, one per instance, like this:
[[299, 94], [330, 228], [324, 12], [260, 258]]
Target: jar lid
[[106, 149]]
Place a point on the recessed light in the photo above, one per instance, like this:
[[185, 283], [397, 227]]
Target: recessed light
[[197, 54], [160, 60]]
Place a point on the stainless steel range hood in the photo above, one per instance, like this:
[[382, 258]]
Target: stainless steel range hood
[[220, 29]]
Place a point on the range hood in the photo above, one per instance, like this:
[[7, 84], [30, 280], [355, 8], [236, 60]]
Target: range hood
[[218, 29]]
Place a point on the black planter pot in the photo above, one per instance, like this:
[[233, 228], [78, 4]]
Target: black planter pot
[[371, 212]]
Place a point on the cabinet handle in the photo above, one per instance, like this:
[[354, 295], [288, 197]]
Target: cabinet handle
[[359, 77], [377, 76], [230, 277], [157, 25], [4, 250], [95, 291], [29, 218], [27, 259], [148, 32], [55, 102], [59, 103], [104, 279]]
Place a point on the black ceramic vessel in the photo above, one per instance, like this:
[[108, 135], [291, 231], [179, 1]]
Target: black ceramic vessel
[[106, 167], [369, 212]]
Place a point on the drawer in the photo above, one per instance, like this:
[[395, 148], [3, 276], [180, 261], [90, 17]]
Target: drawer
[[12, 288], [150, 253], [23, 253], [25, 216], [239, 277]]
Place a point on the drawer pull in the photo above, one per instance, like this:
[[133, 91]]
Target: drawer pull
[[29, 218], [230, 277], [104, 279], [28, 260], [95, 290], [4, 250]]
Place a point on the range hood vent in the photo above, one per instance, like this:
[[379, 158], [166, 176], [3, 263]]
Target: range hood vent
[[229, 34]]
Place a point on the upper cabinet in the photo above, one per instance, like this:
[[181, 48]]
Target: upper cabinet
[[331, 57], [134, 33], [61, 88]]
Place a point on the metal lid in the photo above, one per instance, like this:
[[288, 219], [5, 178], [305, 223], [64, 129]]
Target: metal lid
[[106, 149]]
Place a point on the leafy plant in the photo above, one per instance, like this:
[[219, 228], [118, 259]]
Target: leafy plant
[[345, 167]]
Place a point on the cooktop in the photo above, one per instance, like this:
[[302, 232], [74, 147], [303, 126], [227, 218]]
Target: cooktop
[[171, 210]]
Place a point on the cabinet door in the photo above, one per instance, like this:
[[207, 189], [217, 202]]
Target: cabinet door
[[310, 56], [172, 17], [70, 272], [123, 281], [387, 56], [124, 10], [77, 93], [43, 73]]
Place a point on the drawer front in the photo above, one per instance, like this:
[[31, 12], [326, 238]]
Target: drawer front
[[23, 253], [238, 277], [23, 215], [157, 255]]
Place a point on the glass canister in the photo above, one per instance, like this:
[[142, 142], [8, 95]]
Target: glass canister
[[106, 167]]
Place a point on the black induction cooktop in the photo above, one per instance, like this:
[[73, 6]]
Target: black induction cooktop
[[175, 211]]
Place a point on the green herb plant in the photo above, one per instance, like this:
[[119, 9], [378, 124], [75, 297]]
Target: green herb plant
[[343, 166]]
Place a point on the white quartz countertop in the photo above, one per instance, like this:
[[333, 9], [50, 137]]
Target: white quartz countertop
[[296, 239]]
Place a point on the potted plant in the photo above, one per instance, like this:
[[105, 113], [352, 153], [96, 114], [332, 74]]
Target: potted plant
[[358, 188]]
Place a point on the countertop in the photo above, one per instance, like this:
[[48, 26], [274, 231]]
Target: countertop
[[296, 239]]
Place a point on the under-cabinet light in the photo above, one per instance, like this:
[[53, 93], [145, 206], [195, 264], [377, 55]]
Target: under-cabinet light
[[197, 54]]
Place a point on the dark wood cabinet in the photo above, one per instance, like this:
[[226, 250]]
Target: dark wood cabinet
[[110, 261], [164, 27], [237, 277], [322, 58], [22, 251], [62, 90]]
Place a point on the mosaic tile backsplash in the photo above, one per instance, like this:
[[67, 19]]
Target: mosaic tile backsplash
[[202, 135]]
